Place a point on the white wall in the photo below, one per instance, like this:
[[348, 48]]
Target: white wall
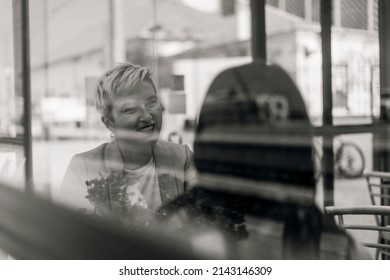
[[359, 51], [309, 71], [299, 53], [211, 6]]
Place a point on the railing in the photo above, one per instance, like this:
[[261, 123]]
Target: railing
[[382, 244]]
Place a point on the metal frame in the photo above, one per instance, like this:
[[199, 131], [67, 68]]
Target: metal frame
[[259, 47], [328, 130], [259, 53], [327, 100], [382, 152], [22, 80]]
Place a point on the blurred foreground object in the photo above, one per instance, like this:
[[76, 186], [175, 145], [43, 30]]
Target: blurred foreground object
[[33, 228], [254, 198]]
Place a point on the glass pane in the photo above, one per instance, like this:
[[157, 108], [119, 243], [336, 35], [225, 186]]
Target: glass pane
[[315, 10], [355, 73], [179, 47], [70, 48], [12, 163], [355, 62], [186, 44], [355, 84], [196, 41], [355, 56], [353, 153], [11, 146], [294, 43], [7, 92], [11, 105]]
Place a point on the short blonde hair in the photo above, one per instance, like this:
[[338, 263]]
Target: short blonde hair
[[125, 76]]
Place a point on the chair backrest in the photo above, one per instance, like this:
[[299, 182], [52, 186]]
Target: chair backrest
[[378, 186], [382, 244]]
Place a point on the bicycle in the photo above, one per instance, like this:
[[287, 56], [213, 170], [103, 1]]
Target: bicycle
[[349, 160]]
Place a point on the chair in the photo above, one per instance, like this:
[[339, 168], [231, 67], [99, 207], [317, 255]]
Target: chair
[[378, 185], [379, 189], [382, 245]]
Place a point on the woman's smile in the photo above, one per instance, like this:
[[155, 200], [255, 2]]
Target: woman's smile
[[147, 129]]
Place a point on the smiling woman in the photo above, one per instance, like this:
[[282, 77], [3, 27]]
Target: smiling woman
[[136, 117], [136, 172]]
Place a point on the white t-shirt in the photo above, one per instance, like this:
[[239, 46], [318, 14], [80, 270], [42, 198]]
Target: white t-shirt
[[143, 189]]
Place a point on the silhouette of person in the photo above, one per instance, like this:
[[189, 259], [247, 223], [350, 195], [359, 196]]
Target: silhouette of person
[[254, 196]]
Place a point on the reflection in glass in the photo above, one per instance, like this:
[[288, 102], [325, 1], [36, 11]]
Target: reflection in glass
[[8, 100], [191, 39], [12, 157]]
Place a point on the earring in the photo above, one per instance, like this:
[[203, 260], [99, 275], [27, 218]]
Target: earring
[[112, 134]]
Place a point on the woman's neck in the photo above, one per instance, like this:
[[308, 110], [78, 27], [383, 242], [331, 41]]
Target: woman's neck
[[135, 156]]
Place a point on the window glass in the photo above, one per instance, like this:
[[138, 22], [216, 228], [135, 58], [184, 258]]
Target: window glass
[[294, 43], [70, 48], [11, 105], [355, 85], [355, 81], [355, 62], [11, 147], [188, 47], [315, 10], [186, 44], [353, 152], [198, 42], [7, 126]]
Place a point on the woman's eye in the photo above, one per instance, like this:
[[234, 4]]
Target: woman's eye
[[151, 103], [129, 111]]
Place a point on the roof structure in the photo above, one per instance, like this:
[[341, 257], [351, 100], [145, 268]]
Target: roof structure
[[81, 27], [277, 22]]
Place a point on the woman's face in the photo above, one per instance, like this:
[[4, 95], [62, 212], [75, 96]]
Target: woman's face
[[137, 115]]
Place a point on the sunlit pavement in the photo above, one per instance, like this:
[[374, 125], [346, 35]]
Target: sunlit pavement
[[355, 193]]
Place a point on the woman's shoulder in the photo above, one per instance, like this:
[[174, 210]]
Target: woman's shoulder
[[96, 153], [180, 154], [173, 147]]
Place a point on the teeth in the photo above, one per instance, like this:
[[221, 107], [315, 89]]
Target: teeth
[[147, 128]]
